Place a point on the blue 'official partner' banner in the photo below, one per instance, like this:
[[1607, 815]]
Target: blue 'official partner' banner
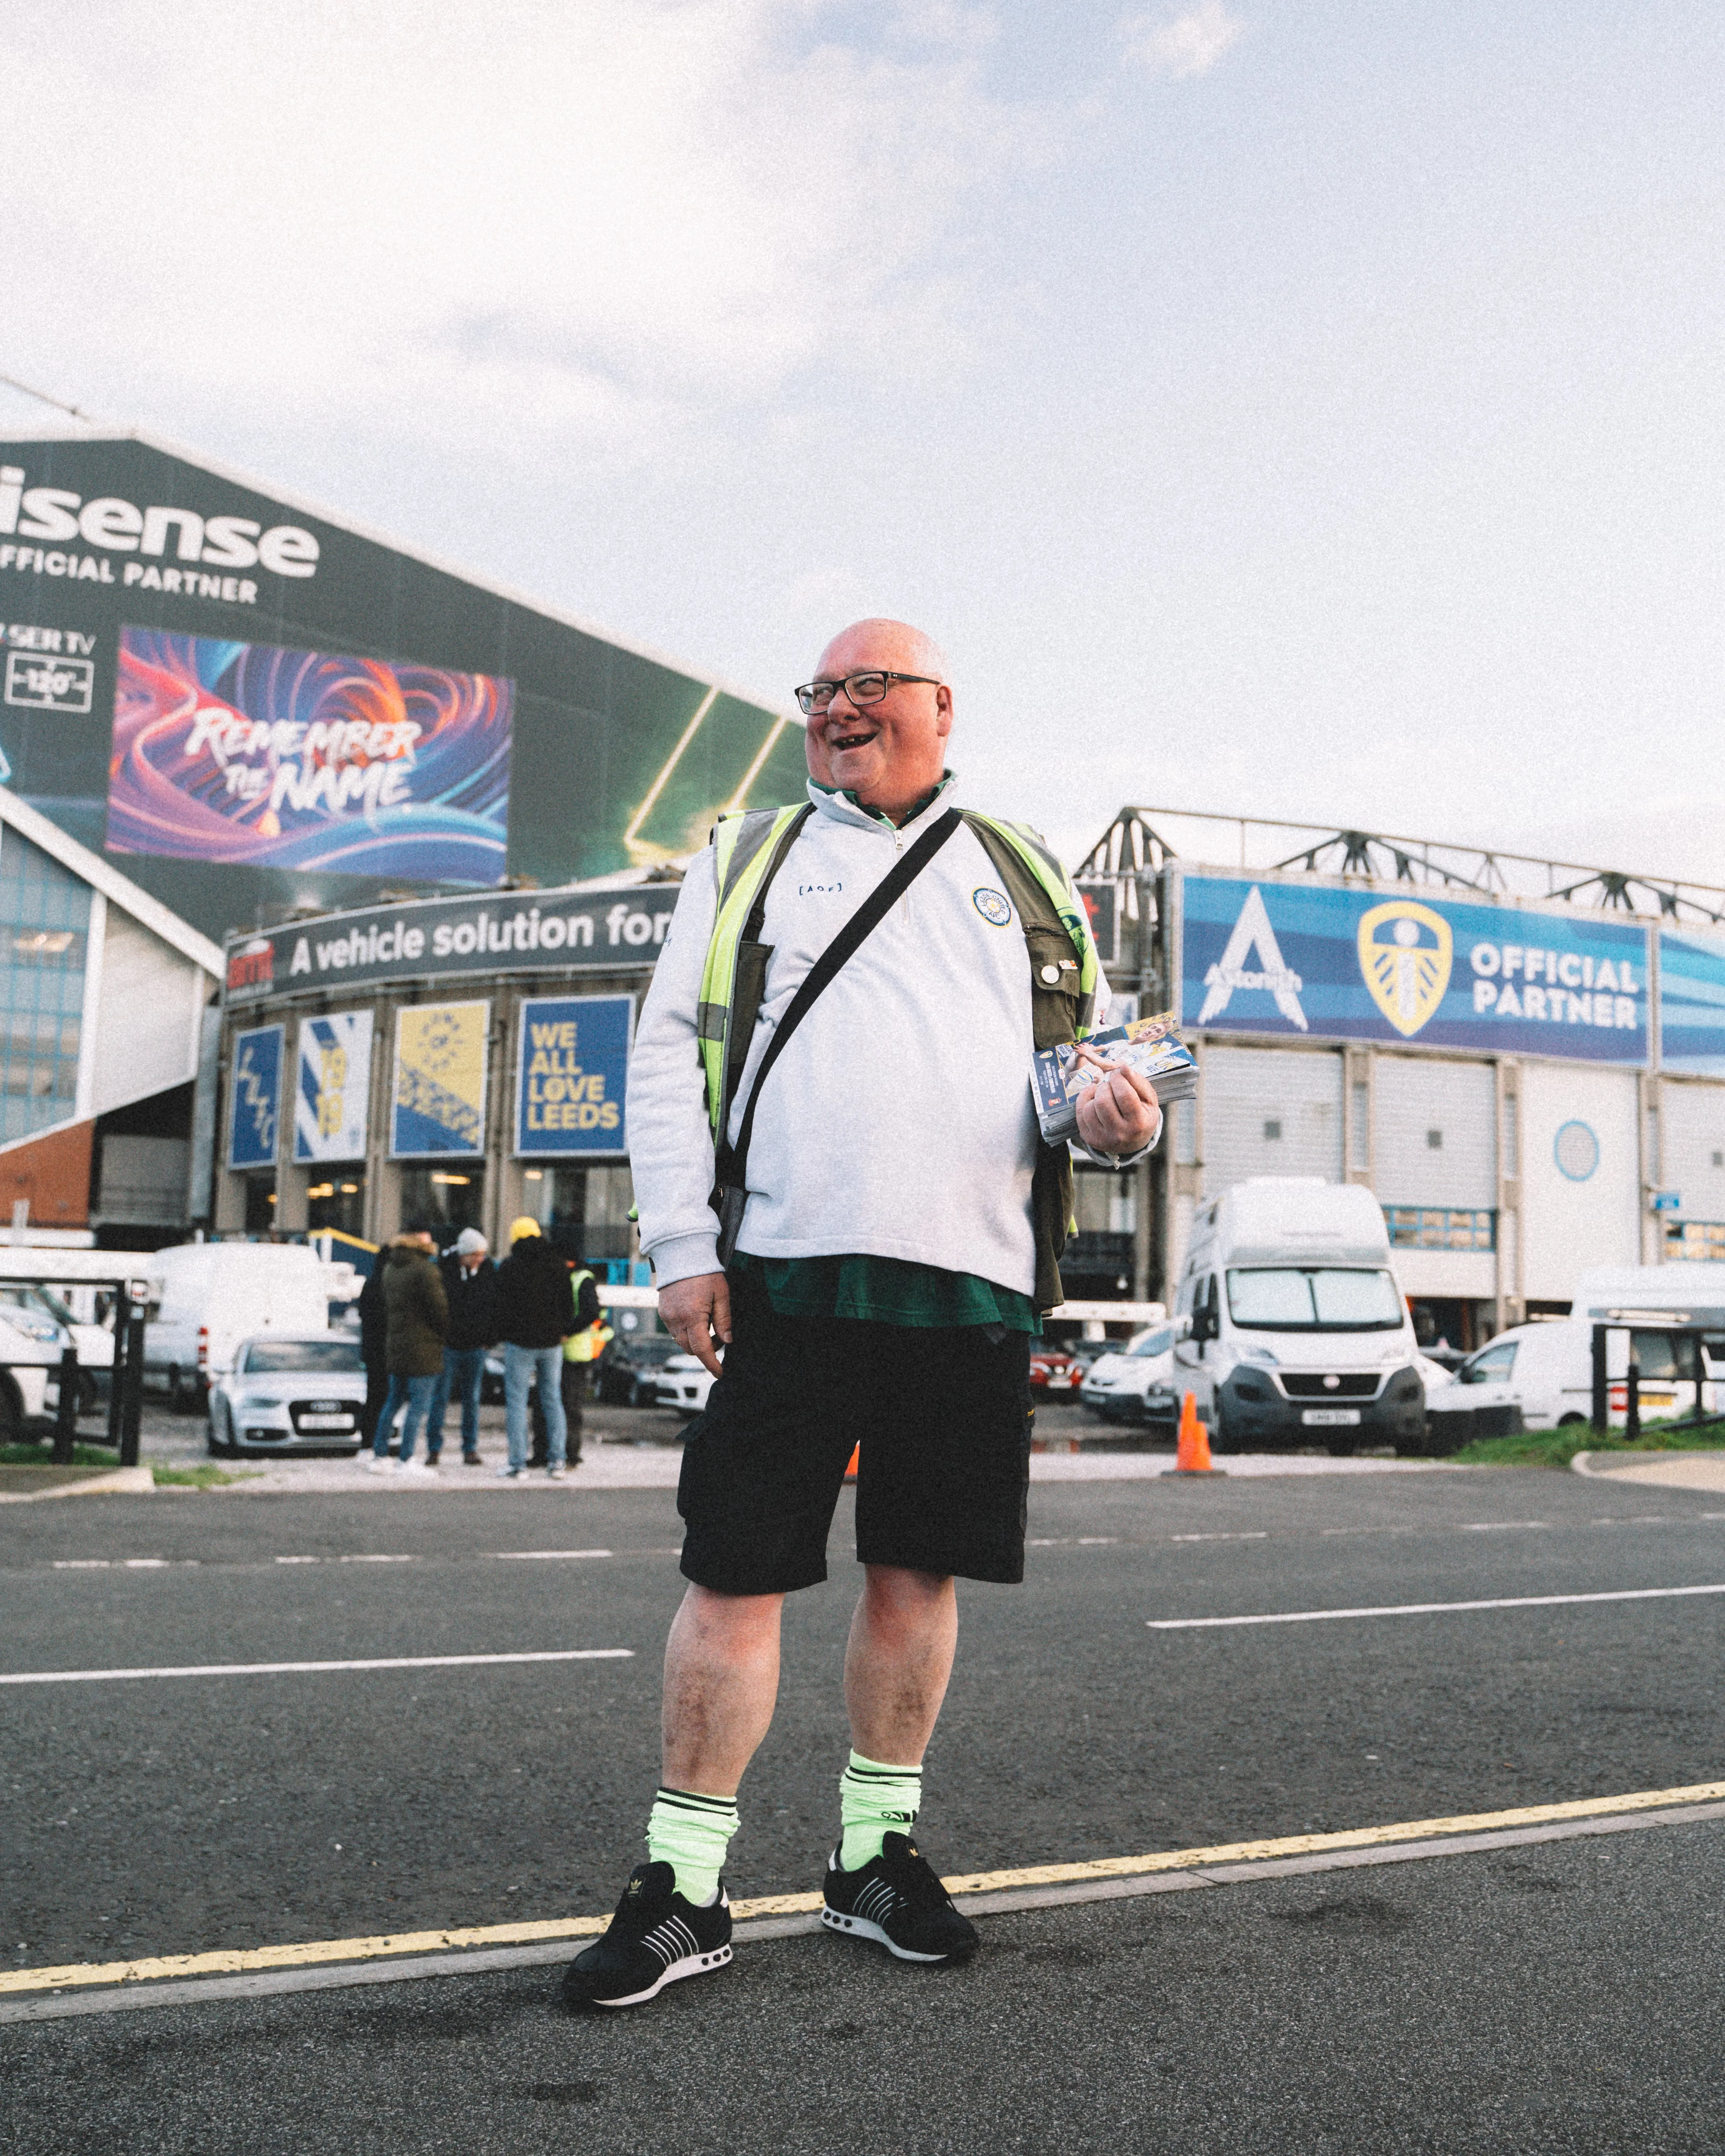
[[571, 1099], [1301, 958], [254, 1097]]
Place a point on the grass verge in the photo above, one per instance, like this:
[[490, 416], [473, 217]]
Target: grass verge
[[1557, 1448], [31, 1455], [196, 1478]]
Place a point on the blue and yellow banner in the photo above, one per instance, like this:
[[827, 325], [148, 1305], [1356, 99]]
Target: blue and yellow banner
[[254, 1097], [437, 1101], [571, 1098], [335, 1084], [1260, 957]]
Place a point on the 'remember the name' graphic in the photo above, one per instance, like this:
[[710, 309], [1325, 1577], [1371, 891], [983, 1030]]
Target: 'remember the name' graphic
[[244, 752]]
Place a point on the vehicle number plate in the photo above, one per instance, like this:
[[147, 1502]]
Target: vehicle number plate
[[326, 1422], [1330, 1418]]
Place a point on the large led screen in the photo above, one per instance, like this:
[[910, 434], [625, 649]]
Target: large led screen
[[205, 618], [247, 753]]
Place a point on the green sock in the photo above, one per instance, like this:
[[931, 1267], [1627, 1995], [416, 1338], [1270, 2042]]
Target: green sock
[[691, 1833], [874, 1801]]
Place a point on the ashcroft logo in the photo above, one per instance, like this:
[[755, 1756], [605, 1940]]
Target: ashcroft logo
[[118, 526], [1252, 932]]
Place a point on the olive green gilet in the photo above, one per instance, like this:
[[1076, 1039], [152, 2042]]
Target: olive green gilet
[[749, 847]]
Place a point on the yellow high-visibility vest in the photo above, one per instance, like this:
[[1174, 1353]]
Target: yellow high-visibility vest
[[748, 847], [587, 1345]]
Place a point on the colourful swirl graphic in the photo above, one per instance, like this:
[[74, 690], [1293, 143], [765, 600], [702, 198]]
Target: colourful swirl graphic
[[247, 753]]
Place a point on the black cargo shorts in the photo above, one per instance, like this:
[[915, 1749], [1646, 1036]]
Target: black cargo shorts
[[943, 1416]]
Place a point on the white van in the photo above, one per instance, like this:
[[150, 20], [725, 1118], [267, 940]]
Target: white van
[[1547, 1368], [1291, 1329], [206, 1298]]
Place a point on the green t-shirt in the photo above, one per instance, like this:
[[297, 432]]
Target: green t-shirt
[[889, 1290]]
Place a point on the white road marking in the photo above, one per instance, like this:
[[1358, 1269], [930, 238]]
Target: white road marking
[[290, 1669], [1256, 1535], [1498, 1527], [299, 1560], [121, 1563], [523, 1555], [1427, 1608], [368, 1558]]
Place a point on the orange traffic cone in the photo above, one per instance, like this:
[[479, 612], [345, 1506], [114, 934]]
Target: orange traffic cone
[[850, 1471], [1193, 1455]]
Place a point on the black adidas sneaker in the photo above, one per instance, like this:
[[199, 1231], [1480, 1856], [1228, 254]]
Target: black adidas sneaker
[[655, 1939], [897, 1899]]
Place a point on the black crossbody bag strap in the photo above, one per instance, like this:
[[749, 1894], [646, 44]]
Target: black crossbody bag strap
[[730, 1189]]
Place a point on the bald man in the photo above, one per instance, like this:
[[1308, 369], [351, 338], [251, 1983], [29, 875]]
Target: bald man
[[883, 1292]]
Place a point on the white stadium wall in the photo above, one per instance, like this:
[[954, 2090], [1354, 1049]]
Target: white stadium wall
[[1270, 1111], [1581, 1175]]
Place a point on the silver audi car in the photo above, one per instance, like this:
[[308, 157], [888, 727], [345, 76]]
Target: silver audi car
[[290, 1393]]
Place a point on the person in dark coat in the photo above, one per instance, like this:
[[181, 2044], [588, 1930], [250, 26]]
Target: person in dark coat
[[373, 1347], [535, 1314], [418, 1318], [470, 1282]]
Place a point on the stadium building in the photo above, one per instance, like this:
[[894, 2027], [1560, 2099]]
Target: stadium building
[[1524, 1061], [1521, 1059], [221, 707], [331, 879]]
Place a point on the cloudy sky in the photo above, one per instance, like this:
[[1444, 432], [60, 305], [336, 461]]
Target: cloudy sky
[[1277, 406]]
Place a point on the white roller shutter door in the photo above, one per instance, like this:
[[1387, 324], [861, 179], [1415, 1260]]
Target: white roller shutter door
[[1692, 1144], [1270, 1111], [1435, 1134]]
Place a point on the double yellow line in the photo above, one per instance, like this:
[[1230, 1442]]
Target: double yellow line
[[311, 1953]]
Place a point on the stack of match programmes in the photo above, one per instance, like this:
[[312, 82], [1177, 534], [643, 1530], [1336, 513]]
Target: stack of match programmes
[[1151, 1045]]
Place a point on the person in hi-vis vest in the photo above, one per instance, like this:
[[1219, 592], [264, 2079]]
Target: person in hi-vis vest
[[583, 1347], [871, 1254]]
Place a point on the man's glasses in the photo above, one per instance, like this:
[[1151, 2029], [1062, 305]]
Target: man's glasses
[[861, 688]]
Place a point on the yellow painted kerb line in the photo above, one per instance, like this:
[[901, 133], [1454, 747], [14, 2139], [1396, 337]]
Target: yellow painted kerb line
[[239, 1960]]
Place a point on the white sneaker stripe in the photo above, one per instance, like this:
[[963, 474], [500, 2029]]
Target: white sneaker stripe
[[663, 1943]]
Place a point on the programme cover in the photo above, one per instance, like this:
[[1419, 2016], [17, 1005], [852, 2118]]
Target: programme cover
[[1152, 1046]]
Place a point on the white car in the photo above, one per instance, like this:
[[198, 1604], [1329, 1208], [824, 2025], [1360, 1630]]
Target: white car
[[1136, 1384], [683, 1383], [31, 1344], [52, 1321], [290, 1393]]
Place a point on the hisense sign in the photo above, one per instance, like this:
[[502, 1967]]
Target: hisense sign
[[43, 528]]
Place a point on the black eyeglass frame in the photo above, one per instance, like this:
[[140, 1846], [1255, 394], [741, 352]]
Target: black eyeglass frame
[[805, 694]]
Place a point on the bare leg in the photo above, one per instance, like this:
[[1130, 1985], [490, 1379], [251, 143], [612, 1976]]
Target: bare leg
[[721, 1685], [899, 1658]]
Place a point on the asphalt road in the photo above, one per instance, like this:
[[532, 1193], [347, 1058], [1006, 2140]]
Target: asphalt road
[[178, 1814], [1562, 1997]]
